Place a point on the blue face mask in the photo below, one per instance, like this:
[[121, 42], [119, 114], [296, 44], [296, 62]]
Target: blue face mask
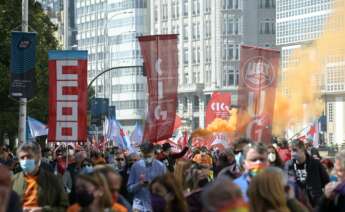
[[86, 169], [28, 166]]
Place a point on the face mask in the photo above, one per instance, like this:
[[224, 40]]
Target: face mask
[[71, 152], [272, 157], [333, 178], [28, 166], [255, 168], [84, 198], [86, 170], [148, 160]]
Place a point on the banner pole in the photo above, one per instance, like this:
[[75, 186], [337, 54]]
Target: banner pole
[[23, 101]]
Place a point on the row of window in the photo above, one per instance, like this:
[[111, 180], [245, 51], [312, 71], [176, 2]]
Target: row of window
[[125, 88], [307, 27], [231, 52], [231, 4], [137, 71], [130, 104], [129, 54], [128, 4], [95, 40], [175, 13], [284, 5], [231, 25], [267, 27], [303, 10], [267, 4]]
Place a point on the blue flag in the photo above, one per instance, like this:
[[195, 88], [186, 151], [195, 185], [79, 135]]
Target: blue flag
[[36, 128]]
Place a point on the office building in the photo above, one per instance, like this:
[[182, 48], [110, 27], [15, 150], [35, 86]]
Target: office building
[[108, 29], [299, 23], [210, 35]]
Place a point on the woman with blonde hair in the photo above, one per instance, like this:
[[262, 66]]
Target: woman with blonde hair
[[269, 192], [92, 193]]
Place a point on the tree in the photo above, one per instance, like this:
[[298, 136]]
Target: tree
[[10, 20]]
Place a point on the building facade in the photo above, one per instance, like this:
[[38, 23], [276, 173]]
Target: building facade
[[299, 23], [210, 34], [108, 29], [54, 10]]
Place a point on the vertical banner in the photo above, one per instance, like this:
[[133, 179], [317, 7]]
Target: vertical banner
[[160, 60], [67, 96], [256, 94], [99, 110], [218, 107], [23, 51]]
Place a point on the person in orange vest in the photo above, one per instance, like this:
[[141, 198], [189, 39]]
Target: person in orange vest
[[203, 158]]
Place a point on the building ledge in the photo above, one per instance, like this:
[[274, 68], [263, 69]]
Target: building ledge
[[191, 88]]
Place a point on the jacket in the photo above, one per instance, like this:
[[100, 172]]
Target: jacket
[[316, 180], [336, 202], [51, 194]]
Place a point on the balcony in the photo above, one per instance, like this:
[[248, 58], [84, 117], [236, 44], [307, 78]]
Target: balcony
[[191, 88]]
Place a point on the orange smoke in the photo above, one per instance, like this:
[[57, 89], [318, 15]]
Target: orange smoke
[[299, 98], [235, 122]]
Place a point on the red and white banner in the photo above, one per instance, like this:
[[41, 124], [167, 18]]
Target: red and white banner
[[218, 107], [160, 60], [256, 94], [67, 96]]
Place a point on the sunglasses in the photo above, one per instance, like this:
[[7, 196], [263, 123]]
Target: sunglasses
[[120, 159]]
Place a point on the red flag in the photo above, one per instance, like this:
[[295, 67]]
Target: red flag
[[67, 96], [218, 107], [257, 86], [160, 59]]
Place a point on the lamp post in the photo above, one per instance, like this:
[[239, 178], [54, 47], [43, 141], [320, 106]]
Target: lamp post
[[23, 101]]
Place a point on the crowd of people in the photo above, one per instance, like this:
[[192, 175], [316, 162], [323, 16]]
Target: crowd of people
[[248, 176]]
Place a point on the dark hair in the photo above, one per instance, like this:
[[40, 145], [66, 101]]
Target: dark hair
[[147, 148], [279, 162], [259, 147], [166, 146], [297, 143]]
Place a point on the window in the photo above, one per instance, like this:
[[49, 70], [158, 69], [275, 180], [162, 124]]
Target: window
[[185, 7], [330, 112], [228, 77], [207, 6], [165, 11], [207, 29], [156, 13], [185, 31], [198, 55], [185, 104], [185, 56]]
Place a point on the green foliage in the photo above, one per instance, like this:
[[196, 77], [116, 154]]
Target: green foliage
[[10, 20]]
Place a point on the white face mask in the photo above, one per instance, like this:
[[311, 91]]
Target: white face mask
[[272, 157]]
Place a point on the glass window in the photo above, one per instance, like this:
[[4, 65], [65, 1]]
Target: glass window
[[185, 56], [185, 7]]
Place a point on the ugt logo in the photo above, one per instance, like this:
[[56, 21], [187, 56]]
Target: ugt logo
[[258, 73]]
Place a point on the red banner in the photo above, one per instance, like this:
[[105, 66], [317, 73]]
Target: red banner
[[256, 94], [67, 96], [218, 107], [160, 60]]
